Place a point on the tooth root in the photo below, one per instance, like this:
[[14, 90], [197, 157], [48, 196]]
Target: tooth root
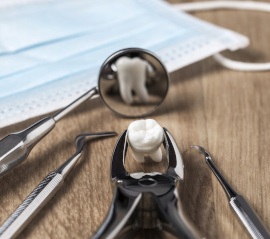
[[156, 155], [131, 74], [125, 90], [142, 92], [139, 157], [139, 79], [150, 70], [124, 79]]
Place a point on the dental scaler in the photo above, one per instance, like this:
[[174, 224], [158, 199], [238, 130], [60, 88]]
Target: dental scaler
[[240, 206]]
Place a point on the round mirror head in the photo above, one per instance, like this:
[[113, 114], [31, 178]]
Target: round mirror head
[[133, 82]]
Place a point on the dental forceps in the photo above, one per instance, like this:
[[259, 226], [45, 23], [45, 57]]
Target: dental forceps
[[126, 214], [242, 209], [48, 187]]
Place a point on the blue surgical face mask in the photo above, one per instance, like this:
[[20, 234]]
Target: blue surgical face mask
[[45, 47]]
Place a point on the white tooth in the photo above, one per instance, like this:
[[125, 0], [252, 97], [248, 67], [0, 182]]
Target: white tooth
[[156, 155], [138, 156], [131, 74], [145, 137]]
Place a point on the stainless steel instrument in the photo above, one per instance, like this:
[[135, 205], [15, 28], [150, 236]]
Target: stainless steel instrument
[[152, 193], [38, 198], [241, 207], [15, 147]]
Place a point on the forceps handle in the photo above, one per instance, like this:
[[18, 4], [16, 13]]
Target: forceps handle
[[31, 206], [172, 210]]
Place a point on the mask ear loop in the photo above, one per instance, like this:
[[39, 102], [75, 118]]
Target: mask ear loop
[[239, 5]]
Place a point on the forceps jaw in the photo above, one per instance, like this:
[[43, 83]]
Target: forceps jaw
[[175, 163], [118, 170], [176, 166]]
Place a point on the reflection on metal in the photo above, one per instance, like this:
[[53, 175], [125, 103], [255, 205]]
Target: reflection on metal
[[133, 82]]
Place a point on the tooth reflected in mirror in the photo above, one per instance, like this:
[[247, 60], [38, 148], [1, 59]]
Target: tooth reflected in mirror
[[133, 82]]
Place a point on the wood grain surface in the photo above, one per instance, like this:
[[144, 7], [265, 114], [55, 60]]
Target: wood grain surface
[[225, 111]]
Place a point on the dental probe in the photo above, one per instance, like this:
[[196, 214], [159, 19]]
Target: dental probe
[[38, 198], [14, 148], [240, 206]]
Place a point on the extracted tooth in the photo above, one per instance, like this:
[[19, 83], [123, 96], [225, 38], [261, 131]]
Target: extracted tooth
[[156, 155], [145, 137], [132, 76], [138, 156]]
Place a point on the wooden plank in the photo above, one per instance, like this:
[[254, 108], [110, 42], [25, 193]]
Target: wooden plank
[[225, 111]]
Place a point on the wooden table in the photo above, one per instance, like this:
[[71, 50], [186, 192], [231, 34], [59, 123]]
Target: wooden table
[[225, 111]]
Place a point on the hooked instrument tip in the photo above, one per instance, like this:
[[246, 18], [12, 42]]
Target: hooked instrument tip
[[202, 151], [81, 139]]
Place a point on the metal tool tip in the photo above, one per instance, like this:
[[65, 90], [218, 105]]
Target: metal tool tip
[[96, 134], [201, 149], [81, 139], [108, 133]]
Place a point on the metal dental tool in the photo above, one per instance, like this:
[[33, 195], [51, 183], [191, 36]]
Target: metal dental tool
[[38, 198], [243, 210], [15, 147], [146, 200]]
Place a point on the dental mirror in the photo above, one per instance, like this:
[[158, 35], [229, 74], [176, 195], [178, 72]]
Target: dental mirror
[[132, 83]]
